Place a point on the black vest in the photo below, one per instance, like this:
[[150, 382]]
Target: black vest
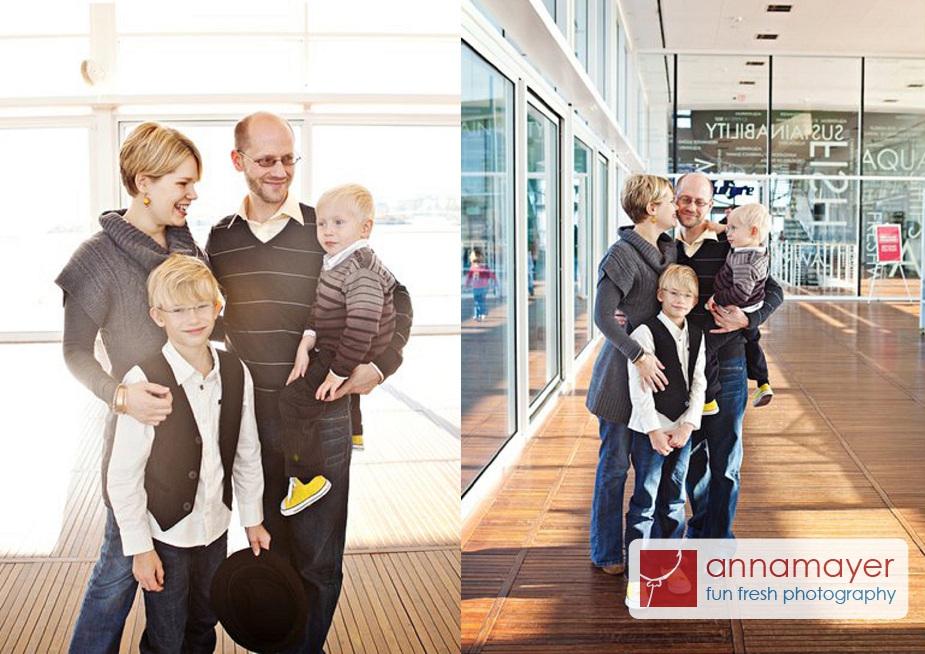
[[674, 400], [172, 472]]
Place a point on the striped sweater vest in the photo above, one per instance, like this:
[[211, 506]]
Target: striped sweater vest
[[269, 289]]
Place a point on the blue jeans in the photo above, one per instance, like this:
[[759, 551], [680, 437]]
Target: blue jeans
[[107, 599], [658, 496], [313, 539], [180, 617], [481, 304], [609, 483], [716, 456]]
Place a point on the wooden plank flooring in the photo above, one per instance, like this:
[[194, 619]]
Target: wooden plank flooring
[[839, 452], [402, 569]]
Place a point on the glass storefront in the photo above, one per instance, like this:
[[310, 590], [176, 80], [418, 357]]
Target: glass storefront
[[836, 156]]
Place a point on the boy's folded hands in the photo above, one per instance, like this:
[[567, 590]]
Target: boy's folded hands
[[149, 571]]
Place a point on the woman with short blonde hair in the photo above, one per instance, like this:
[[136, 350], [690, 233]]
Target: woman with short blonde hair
[[627, 281], [105, 293]]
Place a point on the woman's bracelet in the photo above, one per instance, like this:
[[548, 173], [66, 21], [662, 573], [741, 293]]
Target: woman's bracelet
[[120, 399]]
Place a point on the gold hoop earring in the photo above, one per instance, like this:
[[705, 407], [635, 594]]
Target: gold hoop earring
[[146, 200]]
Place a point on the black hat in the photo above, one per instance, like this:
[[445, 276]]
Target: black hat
[[260, 600]]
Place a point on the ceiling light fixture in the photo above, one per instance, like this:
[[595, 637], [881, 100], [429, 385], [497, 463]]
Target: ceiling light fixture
[[747, 82], [779, 9], [766, 37], [754, 63]]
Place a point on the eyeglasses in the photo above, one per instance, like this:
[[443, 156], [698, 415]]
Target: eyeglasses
[[268, 162], [181, 312], [678, 294], [685, 200]]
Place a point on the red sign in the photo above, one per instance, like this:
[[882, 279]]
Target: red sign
[[889, 244], [668, 577]]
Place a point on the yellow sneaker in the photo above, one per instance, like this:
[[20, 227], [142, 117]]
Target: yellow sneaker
[[303, 495], [711, 408], [763, 396], [632, 595], [358, 442]]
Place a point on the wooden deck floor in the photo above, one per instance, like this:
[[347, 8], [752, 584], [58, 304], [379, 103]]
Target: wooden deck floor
[[839, 453], [402, 569]]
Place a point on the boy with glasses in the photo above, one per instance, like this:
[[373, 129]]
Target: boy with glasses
[[170, 486], [661, 423]]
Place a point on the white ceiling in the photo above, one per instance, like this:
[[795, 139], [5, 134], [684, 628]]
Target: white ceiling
[[831, 29]]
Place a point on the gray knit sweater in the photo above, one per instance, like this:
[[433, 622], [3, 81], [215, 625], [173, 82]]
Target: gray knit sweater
[[107, 277], [627, 280]]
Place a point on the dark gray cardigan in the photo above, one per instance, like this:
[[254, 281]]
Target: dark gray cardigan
[[107, 277], [627, 280]]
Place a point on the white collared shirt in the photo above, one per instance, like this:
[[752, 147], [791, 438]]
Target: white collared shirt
[[690, 249], [645, 417], [266, 230], [331, 260], [210, 517]]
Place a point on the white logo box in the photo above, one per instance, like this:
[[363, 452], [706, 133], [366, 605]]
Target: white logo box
[[789, 579]]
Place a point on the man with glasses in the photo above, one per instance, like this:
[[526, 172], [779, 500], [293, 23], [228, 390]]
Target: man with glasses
[[716, 454], [267, 259]]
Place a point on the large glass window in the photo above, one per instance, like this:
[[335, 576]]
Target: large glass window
[[487, 192], [582, 239], [352, 46], [814, 131], [411, 172], [829, 186], [814, 125], [542, 252], [37, 243], [227, 58], [892, 202], [721, 123], [815, 252], [894, 146]]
